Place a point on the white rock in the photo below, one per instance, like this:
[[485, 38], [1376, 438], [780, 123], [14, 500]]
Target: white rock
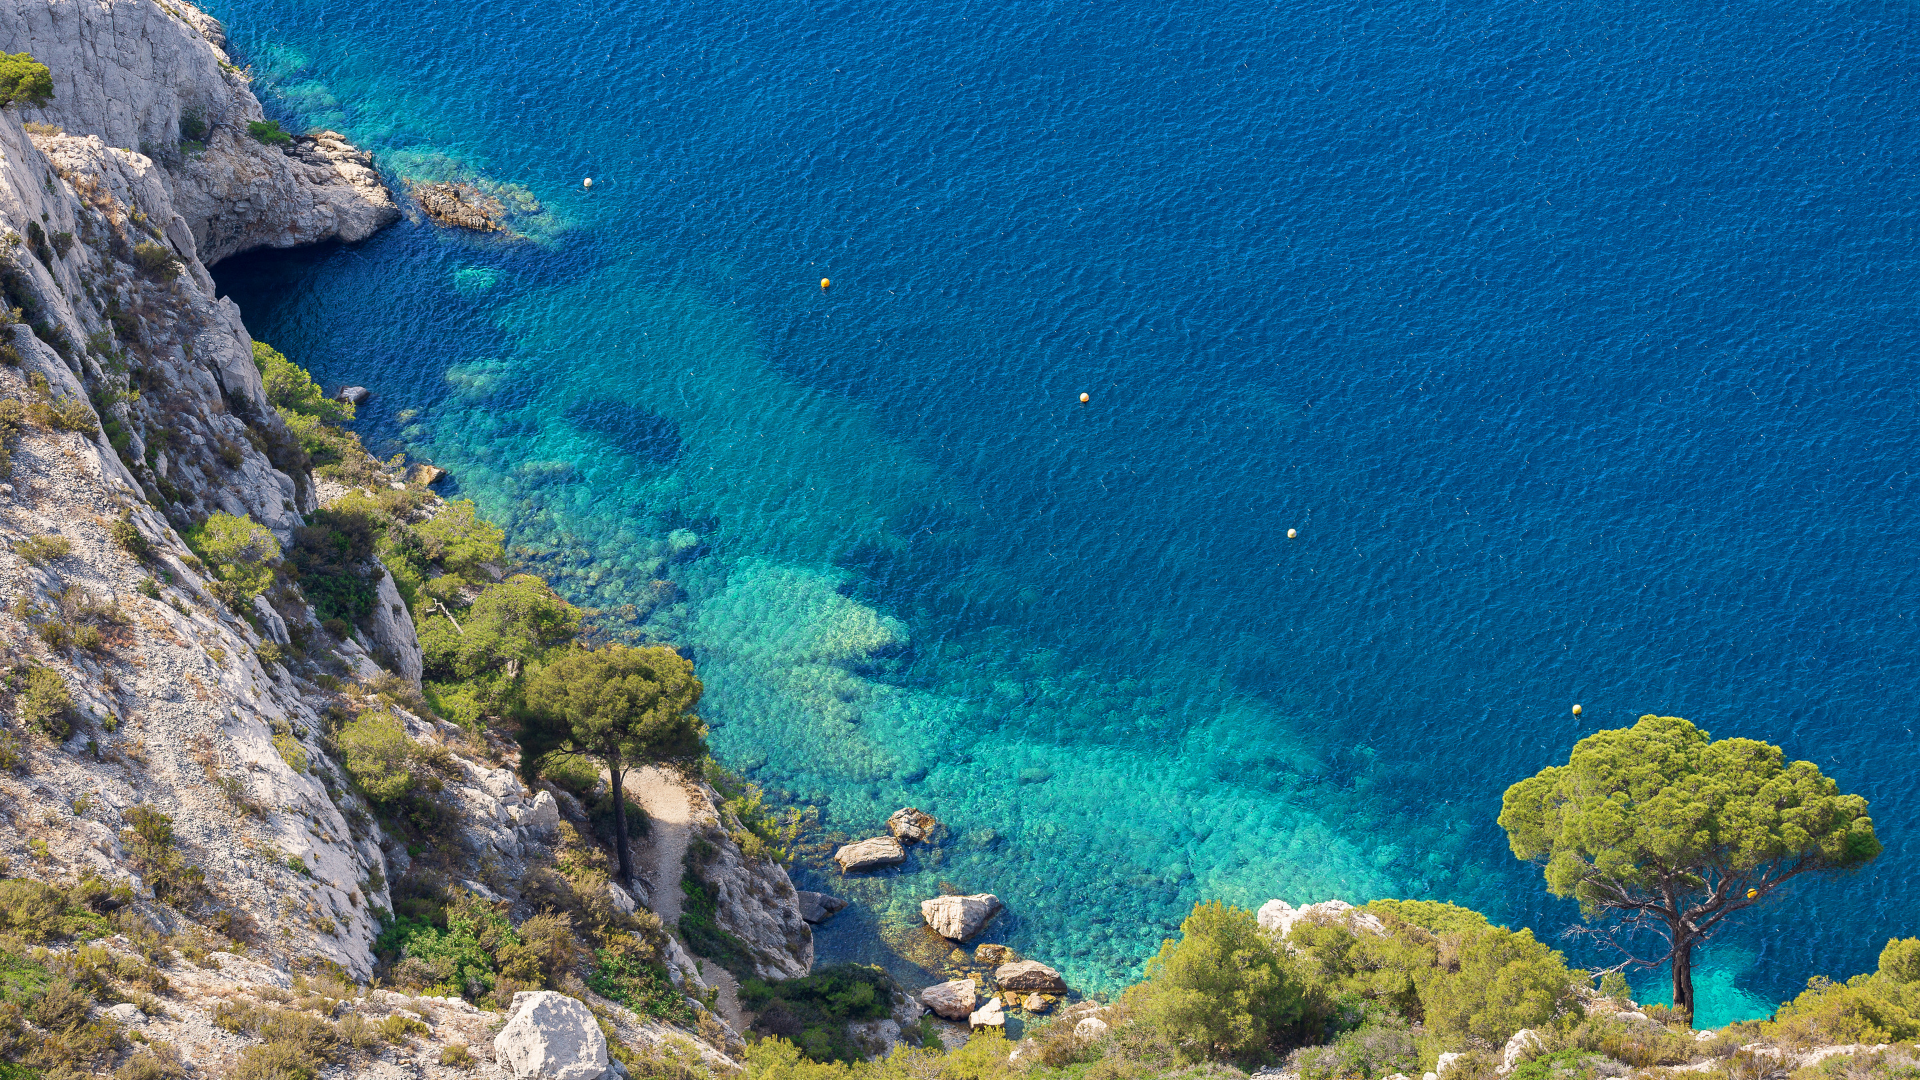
[[958, 918], [1443, 1062], [392, 631], [992, 1014], [541, 821], [233, 967], [1280, 917], [1090, 1027], [1525, 1043], [623, 901], [1430, 1076], [551, 1037], [127, 1014], [953, 1000], [354, 395], [271, 622], [503, 785]]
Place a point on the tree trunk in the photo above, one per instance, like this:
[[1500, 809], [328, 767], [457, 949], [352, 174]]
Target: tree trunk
[[1683, 977], [620, 827]]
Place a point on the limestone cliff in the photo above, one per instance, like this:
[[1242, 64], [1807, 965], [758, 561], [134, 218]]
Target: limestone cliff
[[154, 78]]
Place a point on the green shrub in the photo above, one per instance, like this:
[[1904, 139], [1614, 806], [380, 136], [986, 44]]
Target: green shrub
[[814, 1011], [32, 909], [1380, 1047], [24, 80], [150, 844], [1504, 981], [461, 541], [44, 702], [269, 132], [1224, 989], [395, 773], [130, 538], [516, 619], [464, 954], [457, 1056], [700, 927], [160, 1060], [332, 554], [193, 126], [629, 972], [239, 551], [1613, 986], [41, 550], [156, 261], [275, 1061]]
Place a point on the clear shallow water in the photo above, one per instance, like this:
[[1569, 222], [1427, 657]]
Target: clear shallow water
[[1577, 343]]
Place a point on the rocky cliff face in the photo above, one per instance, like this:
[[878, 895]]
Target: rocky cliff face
[[755, 900], [153, 78]]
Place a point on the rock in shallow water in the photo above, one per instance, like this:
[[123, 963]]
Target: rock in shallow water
[[910, 826], [1029, 975], [992, 1014], [953, 1000], [551, 1037], [870, 854], [817, 908], [958, 918]]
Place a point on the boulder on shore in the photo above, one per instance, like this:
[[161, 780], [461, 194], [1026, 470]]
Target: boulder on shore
[[953, 1000], [958, 918], [910, 826], [870, 854], [551, 1037], [1029, 975], [816, 908], [354, 395], [992, 1014]]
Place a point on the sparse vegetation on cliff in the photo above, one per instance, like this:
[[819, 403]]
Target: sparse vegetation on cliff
[[24, 80]]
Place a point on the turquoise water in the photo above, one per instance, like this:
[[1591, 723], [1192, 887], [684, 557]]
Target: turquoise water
[[1574, 341]]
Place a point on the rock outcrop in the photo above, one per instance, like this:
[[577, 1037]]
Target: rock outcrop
[[755, 900], [143, 76], [958, 918], [1279, 917], [551, 1036], [871, 854], [954, 1000]]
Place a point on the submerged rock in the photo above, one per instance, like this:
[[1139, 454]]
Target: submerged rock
[[1029, 975], [817, 908], [958, 918], [910, 826], [460, 205], [551, 1037], [870, 854], [953, 1000], [994, 955]]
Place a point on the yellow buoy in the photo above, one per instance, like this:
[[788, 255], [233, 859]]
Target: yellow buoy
[[824, 282], [1291, 533], [1576, 710], [1084, 398], [1751, 893], [588, 182]]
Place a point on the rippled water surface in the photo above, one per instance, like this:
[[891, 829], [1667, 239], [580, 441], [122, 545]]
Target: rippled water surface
[[1576, 341]]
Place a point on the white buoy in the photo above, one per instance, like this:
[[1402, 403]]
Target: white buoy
[[1291, 533], [588, 182], [1576, 710]]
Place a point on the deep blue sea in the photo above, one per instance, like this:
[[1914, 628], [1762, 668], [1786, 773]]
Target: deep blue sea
[[1577, 341]]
